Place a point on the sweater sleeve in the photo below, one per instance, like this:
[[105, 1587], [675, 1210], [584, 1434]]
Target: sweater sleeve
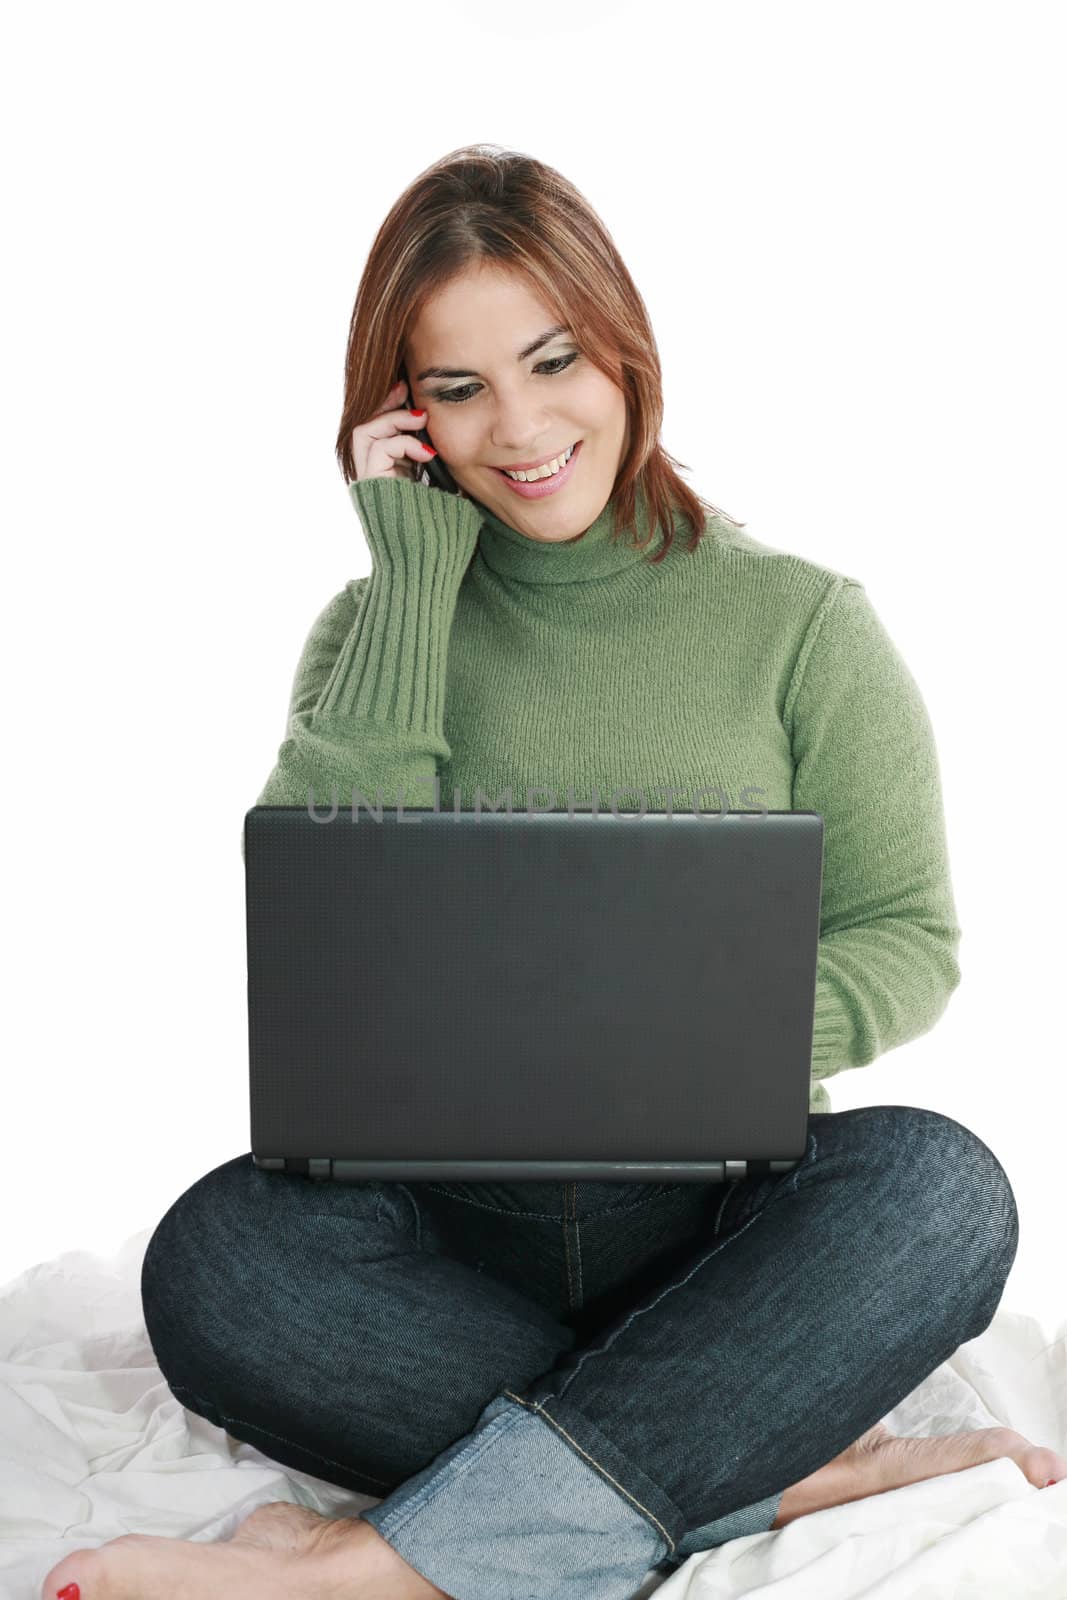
[[864, 757], [367, 704]]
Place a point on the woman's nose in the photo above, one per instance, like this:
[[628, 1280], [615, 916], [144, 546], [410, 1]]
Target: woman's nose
[[522, 443]]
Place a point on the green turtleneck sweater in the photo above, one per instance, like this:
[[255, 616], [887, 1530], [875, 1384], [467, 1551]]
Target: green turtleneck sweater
[[582, 675]]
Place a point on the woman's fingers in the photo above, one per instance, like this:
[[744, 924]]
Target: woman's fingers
[[385, 447]]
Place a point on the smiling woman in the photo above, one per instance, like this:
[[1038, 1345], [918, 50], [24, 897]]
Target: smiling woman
[[586, 1379]]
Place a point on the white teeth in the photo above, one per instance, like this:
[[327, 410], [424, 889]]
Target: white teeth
[[549, 469]]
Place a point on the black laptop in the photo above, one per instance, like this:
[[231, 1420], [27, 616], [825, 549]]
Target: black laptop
[[473, 994]]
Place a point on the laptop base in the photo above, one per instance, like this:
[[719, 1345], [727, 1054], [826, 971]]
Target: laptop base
[[344, 1169]]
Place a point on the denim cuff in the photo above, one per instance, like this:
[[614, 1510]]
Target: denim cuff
[[735, 1525], [520, 1514]]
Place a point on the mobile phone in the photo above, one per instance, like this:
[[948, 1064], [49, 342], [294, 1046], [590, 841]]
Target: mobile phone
[[434, 472]]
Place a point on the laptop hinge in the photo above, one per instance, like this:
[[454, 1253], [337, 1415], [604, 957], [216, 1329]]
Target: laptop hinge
[[344, 1169]]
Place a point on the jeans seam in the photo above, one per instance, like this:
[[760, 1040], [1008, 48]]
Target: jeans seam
[[670, 1288], [730, 1187], [537, 1405], [415, 1208], [482, 1205], [244, 1422], [574, 1265], [540, 1216]]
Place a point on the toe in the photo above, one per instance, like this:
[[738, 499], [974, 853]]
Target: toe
[[1041, 1464], [78, 1576]]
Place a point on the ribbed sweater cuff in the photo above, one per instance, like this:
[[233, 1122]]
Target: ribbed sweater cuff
[[832, 1029], [392, 667]]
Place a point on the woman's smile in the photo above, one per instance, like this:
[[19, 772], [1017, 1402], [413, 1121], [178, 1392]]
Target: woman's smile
[[538, 488]]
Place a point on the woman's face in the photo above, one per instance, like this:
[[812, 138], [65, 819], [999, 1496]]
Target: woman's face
[[504, 405]]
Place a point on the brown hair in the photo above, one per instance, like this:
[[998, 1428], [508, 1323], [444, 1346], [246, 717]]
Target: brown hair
[[482, 202]]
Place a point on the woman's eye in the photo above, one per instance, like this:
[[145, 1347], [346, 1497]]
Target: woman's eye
[[556, 363]]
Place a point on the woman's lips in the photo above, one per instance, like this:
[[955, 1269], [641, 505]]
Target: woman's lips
[[540, 487]]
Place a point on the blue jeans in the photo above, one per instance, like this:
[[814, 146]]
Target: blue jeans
[[554, 1387]]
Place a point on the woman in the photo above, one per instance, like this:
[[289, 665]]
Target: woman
[[551, 1388]]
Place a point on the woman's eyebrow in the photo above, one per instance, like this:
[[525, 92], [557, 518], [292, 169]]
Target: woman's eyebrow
[[531, 349]]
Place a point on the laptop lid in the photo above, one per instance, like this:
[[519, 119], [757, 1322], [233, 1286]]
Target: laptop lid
[[468, 994]]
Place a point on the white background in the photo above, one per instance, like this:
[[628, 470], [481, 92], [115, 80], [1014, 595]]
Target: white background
[[845, 223]]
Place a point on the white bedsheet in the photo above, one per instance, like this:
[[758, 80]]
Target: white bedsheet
[[93, 1445]]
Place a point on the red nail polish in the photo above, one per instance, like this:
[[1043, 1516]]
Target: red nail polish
[[417, 413], [71, 1592], [428, 447], [1050, 1482]]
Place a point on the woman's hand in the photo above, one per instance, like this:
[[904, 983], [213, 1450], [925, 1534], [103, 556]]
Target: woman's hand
[[384, 446]]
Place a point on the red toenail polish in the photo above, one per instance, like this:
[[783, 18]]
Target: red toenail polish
[[71, 1592], [1050, 1482]]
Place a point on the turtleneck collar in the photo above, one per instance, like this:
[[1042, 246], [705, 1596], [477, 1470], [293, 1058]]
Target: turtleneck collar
[[593, 554]]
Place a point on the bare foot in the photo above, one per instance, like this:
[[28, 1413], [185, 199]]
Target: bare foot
[[282, 1526], [880, 1460], [279, 1552]]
